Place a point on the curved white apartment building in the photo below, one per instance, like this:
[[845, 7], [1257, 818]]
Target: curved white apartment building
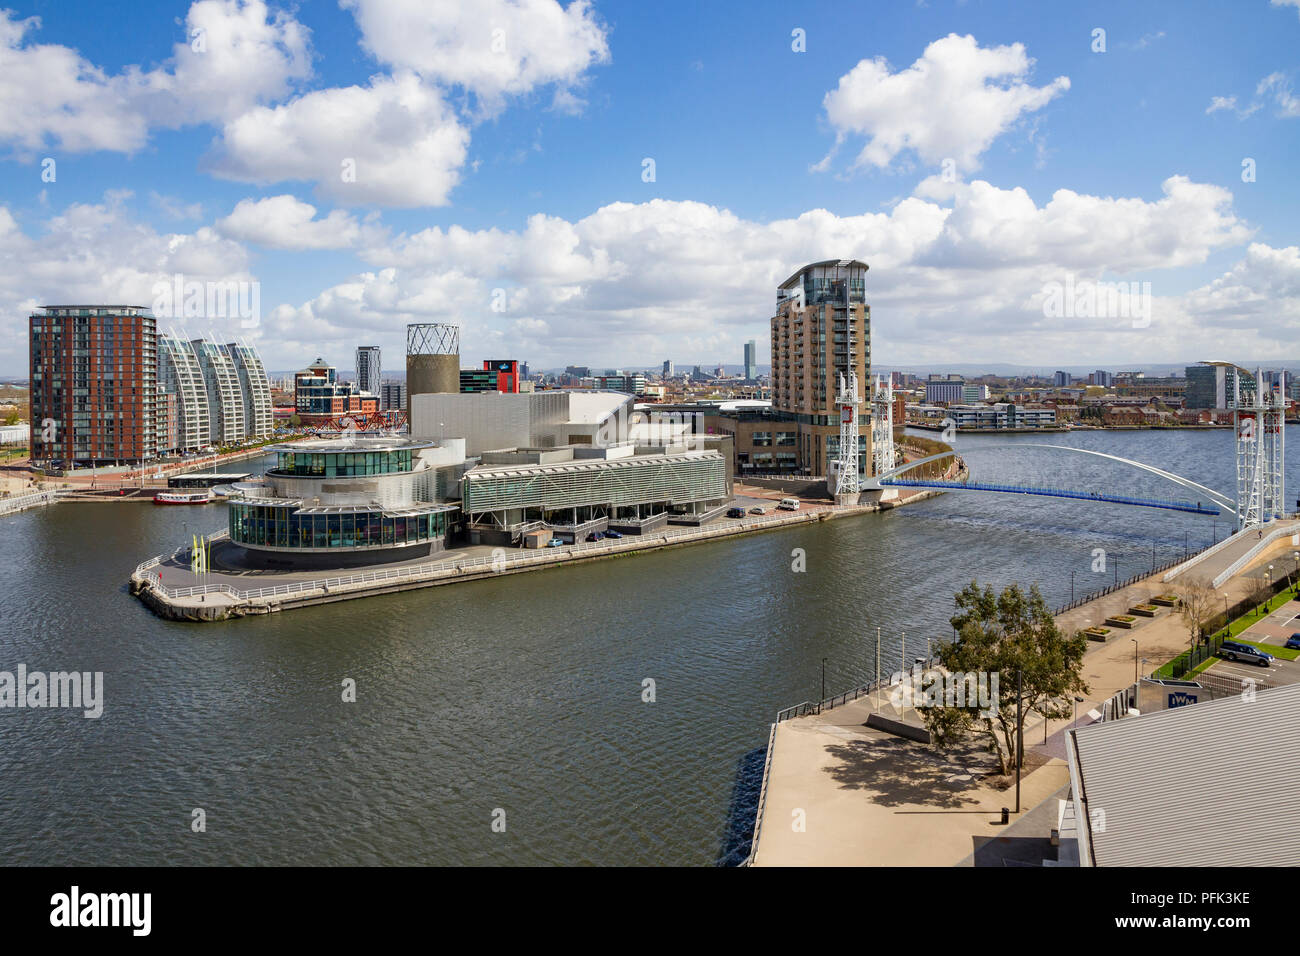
[[179, 373], [255, 390]]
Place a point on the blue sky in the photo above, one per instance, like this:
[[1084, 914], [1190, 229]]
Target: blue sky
[[520, 168]]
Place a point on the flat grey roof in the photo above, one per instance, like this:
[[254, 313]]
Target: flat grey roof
[[585, 464], [1212, 784]]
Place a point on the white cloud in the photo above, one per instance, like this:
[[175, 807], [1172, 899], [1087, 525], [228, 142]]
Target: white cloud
[[492, 48], [1221, 103], [955, 277], [51, 96], [98, 252], [1288, 104], [285, 222], [397, 135], [1287, 3], [951, 103]]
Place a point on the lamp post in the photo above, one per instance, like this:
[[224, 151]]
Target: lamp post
[[1184, 545], [823, 697], [1135, 658], [1296, 556], [1077, 702], [1071, 587]]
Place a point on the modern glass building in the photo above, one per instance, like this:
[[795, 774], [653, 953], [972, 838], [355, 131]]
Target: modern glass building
[[331, 503], [577, 491], [225, 402]]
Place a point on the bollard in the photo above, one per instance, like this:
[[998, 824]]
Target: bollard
[[1006, 816]]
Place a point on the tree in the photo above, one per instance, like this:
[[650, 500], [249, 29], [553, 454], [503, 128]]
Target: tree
[[1197, 603], [1009, 634], [294, 420]]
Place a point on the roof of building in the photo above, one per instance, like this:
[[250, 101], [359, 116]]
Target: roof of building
[[586, 464], [845, 263], [1210, 784]]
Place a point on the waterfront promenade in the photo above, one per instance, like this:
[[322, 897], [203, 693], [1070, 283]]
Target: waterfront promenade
[[869, 798]]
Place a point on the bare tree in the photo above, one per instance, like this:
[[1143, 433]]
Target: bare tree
[[1197, 603]]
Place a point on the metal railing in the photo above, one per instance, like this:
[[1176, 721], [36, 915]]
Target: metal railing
[[22, 502], [762, 797], [434, 570], [830, 703], [1118, 586]]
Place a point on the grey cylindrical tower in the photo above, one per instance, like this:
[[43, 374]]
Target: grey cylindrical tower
[[432, 360]]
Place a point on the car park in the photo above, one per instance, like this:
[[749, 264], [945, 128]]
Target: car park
[[1236, 651]]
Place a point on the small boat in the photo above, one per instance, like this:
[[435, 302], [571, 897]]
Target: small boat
[[201, 497]]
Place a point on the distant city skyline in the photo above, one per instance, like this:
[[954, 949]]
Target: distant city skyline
[[1019, 191]]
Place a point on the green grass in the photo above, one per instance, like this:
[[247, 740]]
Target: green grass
[[1282, 653]]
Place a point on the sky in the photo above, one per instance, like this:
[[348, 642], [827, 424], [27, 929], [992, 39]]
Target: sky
[[615, 184]]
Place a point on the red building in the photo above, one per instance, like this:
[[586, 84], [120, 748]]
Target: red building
[[93, 384], [507, 371]]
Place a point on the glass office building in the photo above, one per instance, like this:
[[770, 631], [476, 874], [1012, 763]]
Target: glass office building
[[331, 503]]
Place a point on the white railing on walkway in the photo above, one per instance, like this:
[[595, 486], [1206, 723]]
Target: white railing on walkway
[[11, 505], [1281, 531], [457, 566]]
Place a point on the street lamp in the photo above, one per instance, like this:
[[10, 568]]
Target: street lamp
[[1071, 587], [823, 697], [1077, 702], [1135, 658]]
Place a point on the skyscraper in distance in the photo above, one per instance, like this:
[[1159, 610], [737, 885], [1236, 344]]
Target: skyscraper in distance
[[368, 369], [751, 360]]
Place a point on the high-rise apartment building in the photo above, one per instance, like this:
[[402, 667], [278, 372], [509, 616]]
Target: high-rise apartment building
[[179, 375], [254, 390], [225, 402], [215, 394], [751, 360], [668, 368], [93, 371], [368, 369], [821, 330]]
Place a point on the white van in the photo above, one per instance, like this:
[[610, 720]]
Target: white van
[[789, 504]]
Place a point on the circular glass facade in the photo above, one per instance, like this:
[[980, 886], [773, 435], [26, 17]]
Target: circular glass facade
[[343, 464], [286, 526]]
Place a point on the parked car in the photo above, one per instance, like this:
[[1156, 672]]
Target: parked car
[[758, 510], [554, 543], [613, 534], [1293, 640], [594, 536], [1234, 651], [735, 512], [788, 504]]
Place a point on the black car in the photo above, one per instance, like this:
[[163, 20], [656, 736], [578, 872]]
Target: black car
[[735, 512]]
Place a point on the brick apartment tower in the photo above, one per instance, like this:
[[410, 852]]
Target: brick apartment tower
[[93, 384], [822, 328]]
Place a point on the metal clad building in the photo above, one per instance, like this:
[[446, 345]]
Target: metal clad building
[[681, 478], [1213, 784]]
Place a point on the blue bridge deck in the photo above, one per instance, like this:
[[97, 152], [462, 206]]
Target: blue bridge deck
[[1194, 507]]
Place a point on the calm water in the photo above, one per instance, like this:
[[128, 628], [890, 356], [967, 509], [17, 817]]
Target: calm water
[[522, 693]]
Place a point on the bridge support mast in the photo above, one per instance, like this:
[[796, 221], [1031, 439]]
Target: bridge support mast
[[846, 473], [882, 428], [1259, 420]]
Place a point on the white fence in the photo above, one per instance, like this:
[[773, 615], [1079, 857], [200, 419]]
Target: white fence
[[21, 503], [434, 570]]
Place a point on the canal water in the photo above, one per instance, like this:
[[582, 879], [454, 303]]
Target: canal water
[[521, 699]]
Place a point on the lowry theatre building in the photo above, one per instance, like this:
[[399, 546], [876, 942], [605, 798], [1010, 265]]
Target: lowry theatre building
[[333, 504]]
